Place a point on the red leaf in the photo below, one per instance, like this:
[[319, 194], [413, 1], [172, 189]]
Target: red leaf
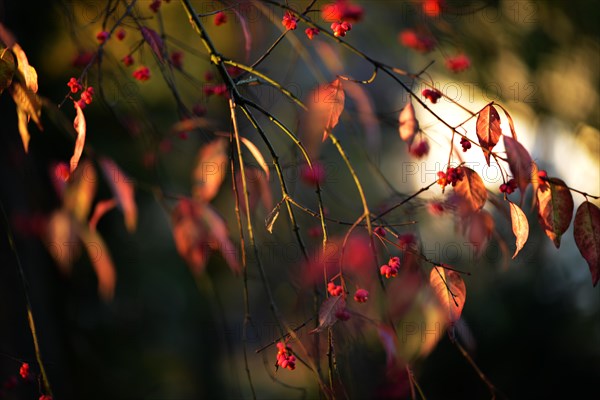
[[511, 124], [154, 40], [61, 240], [449, 288], [555, 208], [80, 191], [365, 111], [101, 261], [488, 130], [325, 105], [122, 188], [258, 189], [80, 128], [220, 238], [102, 207], [327, 312], [520, 226], [520, 163], [586, 230], [409, 125], [471, 189], [246, 31], [480, 229], [257, 155], [210, 170]]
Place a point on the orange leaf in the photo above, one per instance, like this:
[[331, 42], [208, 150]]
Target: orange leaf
[[210, 170], [80, 128], [220, 238], [80, 191], [520, 163], [257, 155], [325, 105], [471, 189], [586, 230], [555, 208], [329, 308], [409, 125], [480, 228], [61, 240], [28, 72], [102, 207], [365, 111], [122, 188], [488, 130], [101, 261], [449, 288], [520, 226], [258, 189]]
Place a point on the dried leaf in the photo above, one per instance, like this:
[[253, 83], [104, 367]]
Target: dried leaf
[[122, 188], [555, 208], [27, 71], [449, 288], [271, 218], [586, 230], [520, 163], [511, 124], [101, 261], [325, 105], [102, 207], [23, 130], [479, 231], [154, 41], [80, 192], [80, 127], [471, 189], [28, 106], [488, 130], [210, 170], [329, 308], [520, 226], [61, 240], [7, 68], [220, 238], [409, 125], [257, 155]]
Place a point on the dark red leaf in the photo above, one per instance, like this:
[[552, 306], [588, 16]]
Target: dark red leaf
[[122, 187], [329, 308], [520, 163], [211, 167], [586, 230], [555, 208], [488, 130]]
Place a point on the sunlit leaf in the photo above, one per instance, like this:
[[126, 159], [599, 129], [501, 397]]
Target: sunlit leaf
[[511, 123], [27, 71], [471, 189], [449, 288], [325, 105], [257, 155], [271, 218], [555, 208], [122, 187], [28, 106], [488, 130], [365, 112], [586, 230], [23, 130], [154, 41], [80, 127], [479, 230], [220, 237], [258, 189], [7, 68], [80, 191], [327, 312], [101, 208], [520, 226], [409, 125], [101, 261], [520, 163], [211, 167], [61, 240]]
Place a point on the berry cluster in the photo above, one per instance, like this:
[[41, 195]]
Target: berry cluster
[[24, 371], [289, 21], [361, 296], [86, 96], [142, 73], [285, 359], [390, 269], [311, 32], [509, 186], [420, 149], [102, 36], [220, 18], [335, 290], [216, 89], [465, 143], [458, 63], [340, 28], [74, 85], [451, 176], [433, 95], [342, 314], [411, 39], [342, 10]]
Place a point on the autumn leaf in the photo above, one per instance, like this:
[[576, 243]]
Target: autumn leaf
[[520, 226], [101, 261], [7, 68], [80, 191], [61, 240], [29, 106], [122, 188], [520, 163], [154, 41], [409, 125], [365, 112], [258, 189], [327, 312], [555, 208], [511, 123], [389, 341], [210, 170], [101, 208], [220, 238], [449, 288], [80, 127], [27, 71], [325, 105], [479, 231], [471, 189], [488, 130], [586, 230], [257, 155]]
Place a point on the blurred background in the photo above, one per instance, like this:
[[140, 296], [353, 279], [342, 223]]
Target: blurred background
[[531, 324]]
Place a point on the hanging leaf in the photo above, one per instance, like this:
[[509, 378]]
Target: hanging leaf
[[246, 31], [80, 127], [471, 190], [219, 236], [520, 226], [210, 170], [449, 288], [101, 261], [61, 240], [511, 123], [122, 188], [271, 218], [520, 163], [257, 155], [327, 312], [80, 191], [488, 130], [586, 230], [27, 71], [479, 231], [258, 189], [7, 68], [154, 41], [409, 125], [555, 208], [101, 208], [365, 111], [325, 105], [28, 106], [389, 340]]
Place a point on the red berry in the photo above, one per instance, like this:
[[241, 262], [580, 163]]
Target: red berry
[[361, 295], [340, 28], [24, 371], [342, 315], [311, 32], [412, 40], [542, 174], [334, 290], [289, 21], [128, 60], [465, 143], [458, 63], [342, 10], [420, 149], [102, 36], [142, 74], [503, 188], [432, 8], [177, 59], [121, 34], [155, 5], [74, 85], [433, 95], [313, 176], [379, 231], [220, 18]]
